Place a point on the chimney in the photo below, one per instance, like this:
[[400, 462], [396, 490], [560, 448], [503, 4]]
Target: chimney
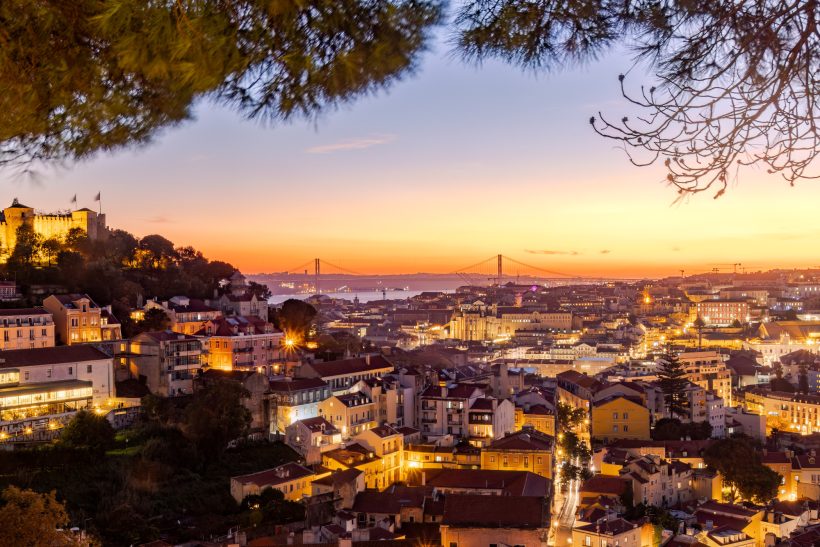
[[367, 359]]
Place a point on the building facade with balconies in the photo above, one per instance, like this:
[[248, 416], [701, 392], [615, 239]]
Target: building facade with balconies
[[26, 328], [168, 361]]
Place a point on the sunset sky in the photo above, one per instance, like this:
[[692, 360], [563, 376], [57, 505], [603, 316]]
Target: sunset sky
[[449, 167]]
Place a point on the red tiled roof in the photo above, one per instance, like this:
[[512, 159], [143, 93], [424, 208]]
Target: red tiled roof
[[278, 475], [351, 366], [610, 527], [50, 356], [512, 483], [603, 484], [476, 511]]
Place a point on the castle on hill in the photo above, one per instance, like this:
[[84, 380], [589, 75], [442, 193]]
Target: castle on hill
[[52, 225]]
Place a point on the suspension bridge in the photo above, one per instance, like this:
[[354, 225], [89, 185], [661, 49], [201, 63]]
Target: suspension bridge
[[495, 270]]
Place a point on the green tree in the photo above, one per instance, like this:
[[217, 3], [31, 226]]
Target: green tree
[[569, 418], [216, 416], [155, 320], [50, 248], [295, 316], [31, 519], [803, 378], [88, 430], [699, 324], [92, 76], [738, 461], [26, 248], [672, 381]]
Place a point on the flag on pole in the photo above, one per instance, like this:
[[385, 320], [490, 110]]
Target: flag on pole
[[97, 198], [74, 199]]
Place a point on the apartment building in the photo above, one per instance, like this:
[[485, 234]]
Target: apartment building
[[527, 450], [26, 328], [166, 360], [343, 374], [350, 413], [292, 479], [387, 443], [724, 313], [794, 412], [78, 319], [443, 409], [311, 437], [620, 417], [187, 315], [242, 343], [294, 399]]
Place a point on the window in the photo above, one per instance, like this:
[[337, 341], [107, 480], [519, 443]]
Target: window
[[626, 428], [70, 371], [492, 459], [88, 369], [614, 415], [614, 428], [26, 375], [587, 541], [626, 415], [48, 373]]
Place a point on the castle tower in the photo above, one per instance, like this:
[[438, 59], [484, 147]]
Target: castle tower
[[14, 216]]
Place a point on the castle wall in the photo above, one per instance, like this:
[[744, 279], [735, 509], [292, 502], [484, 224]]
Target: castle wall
[[48, 225]]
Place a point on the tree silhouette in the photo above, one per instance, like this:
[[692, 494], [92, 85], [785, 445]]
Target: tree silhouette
[[736, 81], [672, 381], [86, 76]]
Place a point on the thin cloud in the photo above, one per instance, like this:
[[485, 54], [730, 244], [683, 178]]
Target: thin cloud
[[676, 249], [605, 252], [159, 220], [351, 144], [547, 252]]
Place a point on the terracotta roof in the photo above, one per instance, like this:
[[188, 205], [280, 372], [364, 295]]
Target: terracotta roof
[[524, 440], [610, 527], [511, 483], [391, 500], [775, 457], [50, 356], [278, 475], [11, 312], [354, 399], [167, 335], [350, 366], [317, 424], [337, 478], [603, 484], [465, 510], [296, 384], [483, 403]]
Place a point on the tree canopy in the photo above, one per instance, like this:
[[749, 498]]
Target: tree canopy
[[88, 430], [738, 461], [28, 518], [733, 84]]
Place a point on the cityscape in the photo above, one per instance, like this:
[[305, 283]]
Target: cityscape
[[409, 273]]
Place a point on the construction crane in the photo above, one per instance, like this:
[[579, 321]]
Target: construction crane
[[733, 265]]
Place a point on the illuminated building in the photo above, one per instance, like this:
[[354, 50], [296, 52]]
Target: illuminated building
[[620, 417], [78, 319], [388, 444], [723, 312], [357, 456], [343, 374], [187, 315], [293, 399], [536, 416], [312, 437], [26, 328], [242, 343], [526, 450], [167, 360], [56, 225], [793, 412], [292, 479], [42, 386], [503, 322], [351, 413], [432, 456], [707, 370]]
